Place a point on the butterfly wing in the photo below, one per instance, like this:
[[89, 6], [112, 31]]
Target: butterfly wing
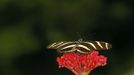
[[97, 45], [63, 47], [54, 45]]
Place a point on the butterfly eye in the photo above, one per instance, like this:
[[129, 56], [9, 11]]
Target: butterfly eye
[[80, 40]]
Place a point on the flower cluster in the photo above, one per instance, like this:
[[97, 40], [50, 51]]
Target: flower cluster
[[79, 64]]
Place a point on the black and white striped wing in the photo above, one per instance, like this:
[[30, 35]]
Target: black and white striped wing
[[97, 45], [63, 47]]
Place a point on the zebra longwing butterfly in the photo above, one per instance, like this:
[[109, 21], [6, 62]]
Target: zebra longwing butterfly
[[81, 47]]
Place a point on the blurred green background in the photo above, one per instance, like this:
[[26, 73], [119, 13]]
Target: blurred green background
[[28, 26]]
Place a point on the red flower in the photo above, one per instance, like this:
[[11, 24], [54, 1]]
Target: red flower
[[79, 64]]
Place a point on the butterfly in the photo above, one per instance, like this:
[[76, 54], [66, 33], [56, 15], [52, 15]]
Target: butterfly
[[80, 46]]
